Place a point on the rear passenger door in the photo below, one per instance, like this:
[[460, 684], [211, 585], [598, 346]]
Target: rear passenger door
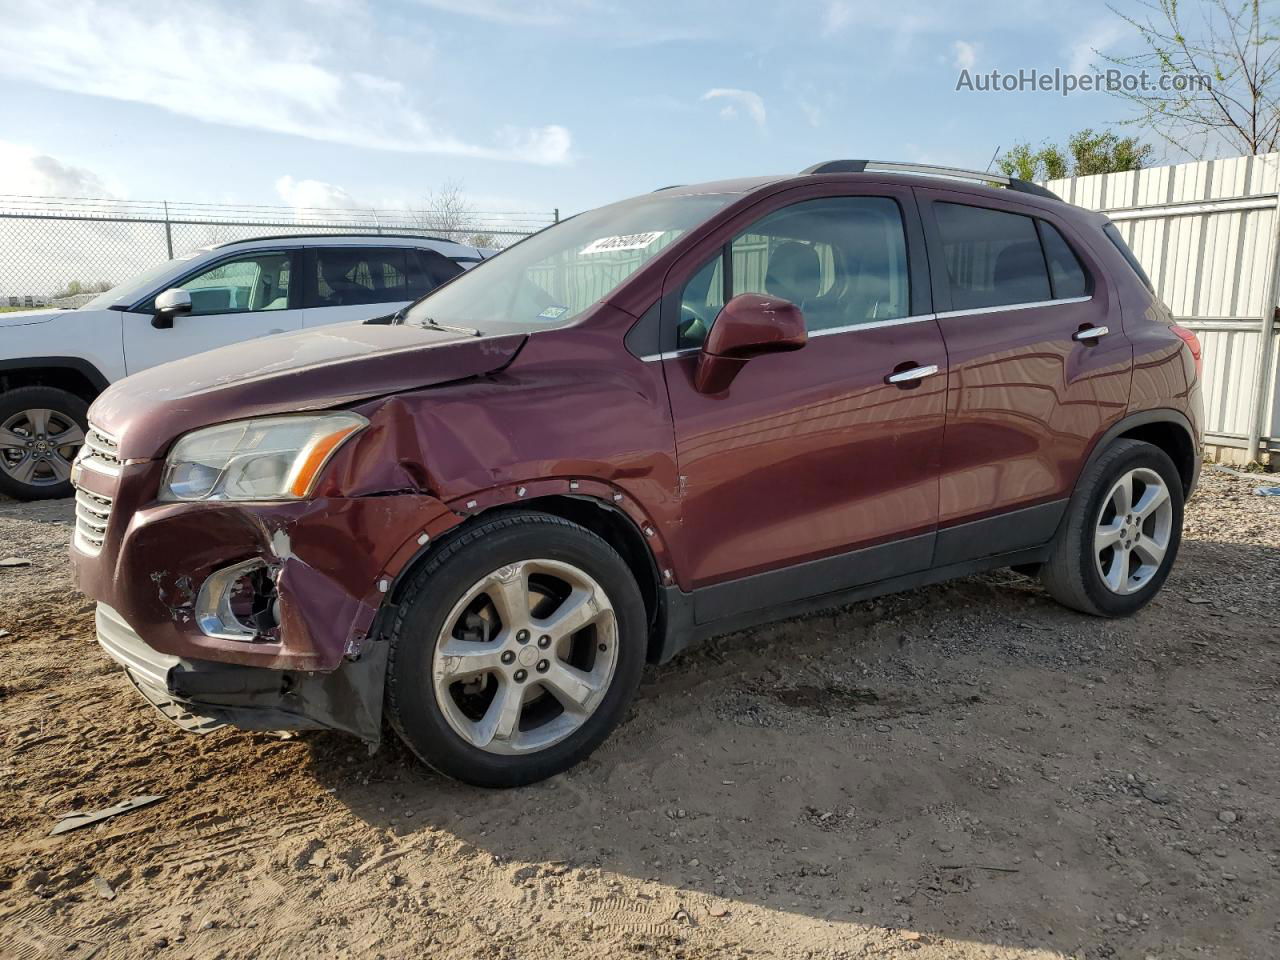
[[345, 284], [1038, 367]]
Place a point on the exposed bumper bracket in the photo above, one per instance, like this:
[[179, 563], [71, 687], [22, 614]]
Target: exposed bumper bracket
[[200, 695]]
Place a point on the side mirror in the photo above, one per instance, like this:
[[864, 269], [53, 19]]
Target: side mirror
[[750, 325], [169, 304]]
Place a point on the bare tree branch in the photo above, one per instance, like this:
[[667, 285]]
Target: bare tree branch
[[1235, 47]]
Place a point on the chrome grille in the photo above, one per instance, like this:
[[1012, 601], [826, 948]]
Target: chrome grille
[[92, 514], [101, 452]]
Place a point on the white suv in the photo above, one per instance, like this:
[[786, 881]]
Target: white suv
[[54, 362]]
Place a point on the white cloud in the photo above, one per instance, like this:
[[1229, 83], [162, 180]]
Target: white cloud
[[540, 13], [964, 55], [837, 15], [228, 68], [748, 100], [1083, 53], [812, 113], [26, 171], [315, 194]]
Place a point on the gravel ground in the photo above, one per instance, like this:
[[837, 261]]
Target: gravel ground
[[958, 772]]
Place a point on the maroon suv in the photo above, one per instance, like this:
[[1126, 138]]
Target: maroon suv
[[675, 416]]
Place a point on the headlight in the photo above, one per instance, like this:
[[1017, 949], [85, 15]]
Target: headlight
[[272, 458]]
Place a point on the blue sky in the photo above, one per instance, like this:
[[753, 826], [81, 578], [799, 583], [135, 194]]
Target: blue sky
[[529, 105]]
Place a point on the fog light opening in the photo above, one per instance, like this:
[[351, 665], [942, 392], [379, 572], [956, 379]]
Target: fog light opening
[[239, 602]]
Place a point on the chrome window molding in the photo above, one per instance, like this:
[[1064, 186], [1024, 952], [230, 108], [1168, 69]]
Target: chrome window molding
[[1007, 307], [873, 325], [897, 322]]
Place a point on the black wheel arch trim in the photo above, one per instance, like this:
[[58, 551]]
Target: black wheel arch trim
[[1143, 419], [78, 364]]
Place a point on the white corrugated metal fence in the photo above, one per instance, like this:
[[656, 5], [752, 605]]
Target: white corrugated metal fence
[[1206, 233]]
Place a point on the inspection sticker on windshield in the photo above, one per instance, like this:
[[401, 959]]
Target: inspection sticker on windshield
[[630, 241], [552, 313]]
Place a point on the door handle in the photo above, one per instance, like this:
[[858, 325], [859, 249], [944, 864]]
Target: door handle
[[1090, 333], [912, 374]]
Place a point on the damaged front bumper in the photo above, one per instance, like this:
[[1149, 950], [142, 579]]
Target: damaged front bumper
[[201, 696], [332, 561]]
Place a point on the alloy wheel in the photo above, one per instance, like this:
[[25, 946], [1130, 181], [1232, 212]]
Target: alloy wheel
[[38, 445], [1133, 531], [525, 657]]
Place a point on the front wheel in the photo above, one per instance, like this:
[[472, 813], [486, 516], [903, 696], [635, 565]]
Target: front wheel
[[1121, 535], [41, 430], [516, 650]]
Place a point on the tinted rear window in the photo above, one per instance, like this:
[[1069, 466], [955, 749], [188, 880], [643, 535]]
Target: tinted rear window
[[1114, 236], [1065, 273], [993, 258]]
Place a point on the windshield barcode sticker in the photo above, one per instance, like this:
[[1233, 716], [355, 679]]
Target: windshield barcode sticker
[[631, 241]]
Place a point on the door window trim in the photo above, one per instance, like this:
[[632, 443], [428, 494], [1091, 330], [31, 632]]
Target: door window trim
[[927, 197], [1008, 307], [714, 243]]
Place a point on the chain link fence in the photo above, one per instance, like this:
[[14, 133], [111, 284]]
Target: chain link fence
[[58, 251]]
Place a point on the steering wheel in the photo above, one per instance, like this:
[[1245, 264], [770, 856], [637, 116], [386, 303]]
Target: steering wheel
[[692, 329]]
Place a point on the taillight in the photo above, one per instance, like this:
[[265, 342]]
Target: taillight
[[1193, 344]]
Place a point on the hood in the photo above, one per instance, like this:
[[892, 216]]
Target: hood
[[18, 318], [309, 370]]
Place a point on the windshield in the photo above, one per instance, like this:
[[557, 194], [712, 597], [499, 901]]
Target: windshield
[[551, 278], [136, 286]]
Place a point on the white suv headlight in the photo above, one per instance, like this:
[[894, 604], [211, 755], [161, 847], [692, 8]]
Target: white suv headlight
[[270, 458]]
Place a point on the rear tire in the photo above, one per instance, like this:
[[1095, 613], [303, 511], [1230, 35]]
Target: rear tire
[[41, 430], [515, 651], [1121, 535]]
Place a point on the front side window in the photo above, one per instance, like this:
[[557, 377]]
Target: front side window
[[841, 260], [248, 284], [993, 258]]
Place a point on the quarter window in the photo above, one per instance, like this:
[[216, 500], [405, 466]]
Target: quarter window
[[427, 269], [244, 285], [993, 258], [1065, 273], [841, 260]]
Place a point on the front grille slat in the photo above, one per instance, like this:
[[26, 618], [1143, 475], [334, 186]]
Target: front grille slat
[[101, 452], [93, 511]]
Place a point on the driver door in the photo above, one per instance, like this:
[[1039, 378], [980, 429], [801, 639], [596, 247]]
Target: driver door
[[813, 472], [241, 297]]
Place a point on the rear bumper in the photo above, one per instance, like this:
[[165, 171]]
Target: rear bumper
[[202, 695]]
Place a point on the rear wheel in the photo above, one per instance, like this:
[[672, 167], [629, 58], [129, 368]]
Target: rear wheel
[[1122, 533], [516, 651], [41, 430]]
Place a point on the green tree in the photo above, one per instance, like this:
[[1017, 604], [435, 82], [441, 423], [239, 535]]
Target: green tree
[[1086, 152]]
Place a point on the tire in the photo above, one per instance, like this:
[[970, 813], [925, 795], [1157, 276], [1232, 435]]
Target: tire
[[1118, 580], [29, 471], [445, 722]]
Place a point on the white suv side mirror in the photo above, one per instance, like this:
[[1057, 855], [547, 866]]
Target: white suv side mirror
[[168, 305]]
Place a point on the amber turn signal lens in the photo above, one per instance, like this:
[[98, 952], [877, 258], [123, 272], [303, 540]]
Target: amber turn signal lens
[[313, 459]]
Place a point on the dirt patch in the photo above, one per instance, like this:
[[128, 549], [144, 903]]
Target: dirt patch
[[959, 772]]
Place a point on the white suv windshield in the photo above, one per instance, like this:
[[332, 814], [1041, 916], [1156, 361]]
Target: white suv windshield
[[552, 277], [139, 285]]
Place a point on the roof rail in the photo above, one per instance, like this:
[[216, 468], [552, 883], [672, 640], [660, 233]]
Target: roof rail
[[931, 170], [669, 186], [337, 236]]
